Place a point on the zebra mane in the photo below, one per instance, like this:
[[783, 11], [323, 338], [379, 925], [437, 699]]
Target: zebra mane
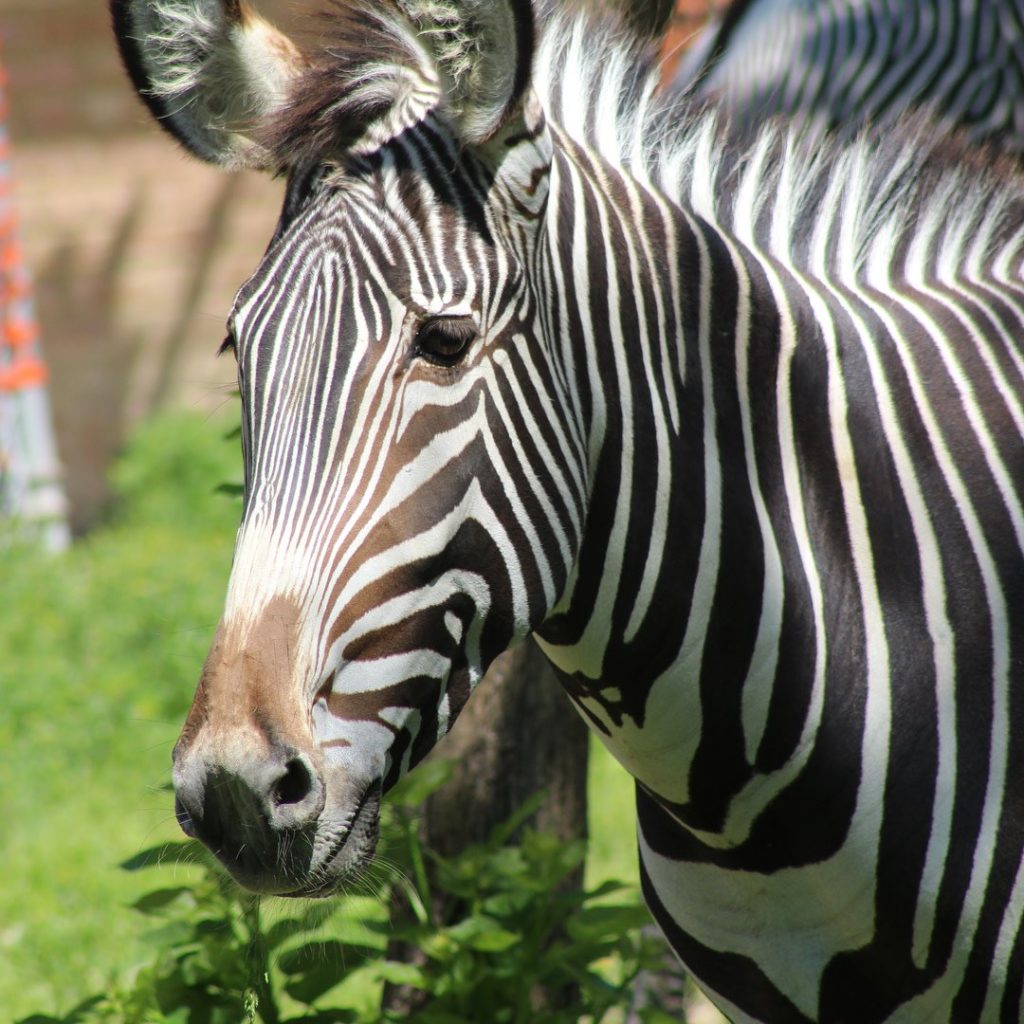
[[773, 189]]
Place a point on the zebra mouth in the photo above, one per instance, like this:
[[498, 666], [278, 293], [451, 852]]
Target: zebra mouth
[[351, 850]]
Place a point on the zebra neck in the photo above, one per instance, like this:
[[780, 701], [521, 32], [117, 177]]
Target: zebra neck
[[656, 311]]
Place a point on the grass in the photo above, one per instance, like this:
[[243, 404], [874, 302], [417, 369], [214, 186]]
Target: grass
[[611, 851], [99, 653]]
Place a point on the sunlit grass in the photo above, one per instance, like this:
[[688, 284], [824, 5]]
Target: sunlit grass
[[611, 853], [99, 650]]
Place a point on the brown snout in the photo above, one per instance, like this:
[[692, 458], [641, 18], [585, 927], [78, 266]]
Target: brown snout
[[248, 778]]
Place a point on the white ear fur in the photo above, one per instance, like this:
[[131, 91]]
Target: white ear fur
[[213, 72], [209, 70], [483, 50]]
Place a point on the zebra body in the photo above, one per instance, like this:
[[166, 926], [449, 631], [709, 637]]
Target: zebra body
[[791, 586], [734, 431], [838, 64]]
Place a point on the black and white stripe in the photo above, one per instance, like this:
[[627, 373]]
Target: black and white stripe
[[738, 437], [838, 64], [780, 395]]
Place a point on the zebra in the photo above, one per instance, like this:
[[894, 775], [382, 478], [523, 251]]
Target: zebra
[[731, 425], [837, 64]]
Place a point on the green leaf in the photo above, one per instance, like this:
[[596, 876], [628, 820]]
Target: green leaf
[[186, 852], [173, 935], [157, 902], [325, 1017], [608, 887], [508, 904], [607, 922], [216, 928], [419, 784], [653, 1015], [501, 834], [289, 927], [397, 973], [197, 971], [76, 1015], [483, 934], [338, 957], [496, 941], [308, 988], [438, 946]]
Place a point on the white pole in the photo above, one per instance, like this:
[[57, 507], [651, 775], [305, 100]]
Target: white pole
[[32, 502]]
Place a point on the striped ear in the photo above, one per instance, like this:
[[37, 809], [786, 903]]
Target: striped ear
[[483, 51], [210, 71]]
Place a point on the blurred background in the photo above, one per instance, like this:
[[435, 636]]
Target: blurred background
[[135, 252]]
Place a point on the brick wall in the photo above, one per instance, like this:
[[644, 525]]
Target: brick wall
[[65, 75], [123, 232], [137, 252]]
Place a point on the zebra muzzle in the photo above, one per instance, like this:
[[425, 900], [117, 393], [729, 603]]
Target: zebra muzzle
[[259, 814]]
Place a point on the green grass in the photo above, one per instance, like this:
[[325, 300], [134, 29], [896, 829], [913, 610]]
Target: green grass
[[611, 852], [99, 653]]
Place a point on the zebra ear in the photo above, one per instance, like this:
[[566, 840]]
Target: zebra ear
[[483, 50], [210, 71]]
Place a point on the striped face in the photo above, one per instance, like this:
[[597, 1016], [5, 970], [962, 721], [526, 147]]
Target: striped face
[[397, 532], [405, 515]]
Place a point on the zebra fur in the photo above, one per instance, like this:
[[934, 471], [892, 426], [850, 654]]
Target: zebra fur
[[736, 433], [840, 64]]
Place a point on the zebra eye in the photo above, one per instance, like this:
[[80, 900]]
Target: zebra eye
[[444, 340]]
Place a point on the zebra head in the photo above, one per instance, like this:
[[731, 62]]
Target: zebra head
[[404, 519]]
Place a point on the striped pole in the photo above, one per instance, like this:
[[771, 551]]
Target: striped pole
[[32, 502]]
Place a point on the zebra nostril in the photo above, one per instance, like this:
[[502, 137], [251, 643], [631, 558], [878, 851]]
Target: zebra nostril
[[295, 785], [296, 797]]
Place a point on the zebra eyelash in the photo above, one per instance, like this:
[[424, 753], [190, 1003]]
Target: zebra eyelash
[[228, 345], [444, 340]]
